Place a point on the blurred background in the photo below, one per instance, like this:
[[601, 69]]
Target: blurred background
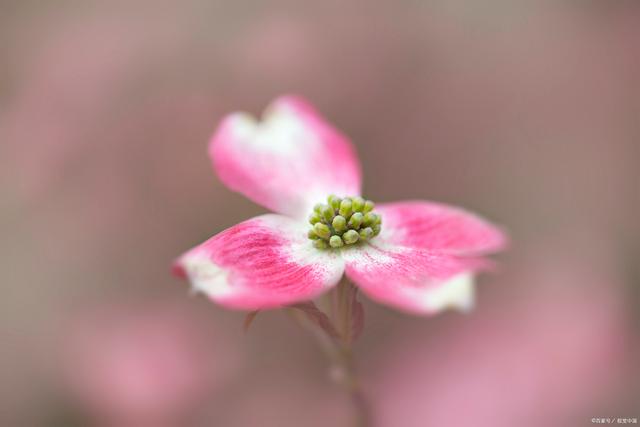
[[524, 111]]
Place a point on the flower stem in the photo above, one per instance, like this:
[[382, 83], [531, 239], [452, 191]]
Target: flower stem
[[344, 365], [335, 333], [351, 383]]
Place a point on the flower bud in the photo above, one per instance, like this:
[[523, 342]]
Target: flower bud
[[368, 206], [345, 208], [351, 237], [339, 223], [366, 233], [369, 219], [334, 202], [336, 242], [320, 244], [356, 220], [322, 230], [357, 204], [314, 217], [327, 213]]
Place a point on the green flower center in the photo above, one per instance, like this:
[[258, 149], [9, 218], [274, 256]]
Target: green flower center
[[343, 222]]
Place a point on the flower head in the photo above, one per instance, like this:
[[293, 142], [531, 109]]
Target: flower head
[[343, 222], [417, 256]]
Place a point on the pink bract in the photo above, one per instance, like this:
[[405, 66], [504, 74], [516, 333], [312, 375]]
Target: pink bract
[[424, 260]]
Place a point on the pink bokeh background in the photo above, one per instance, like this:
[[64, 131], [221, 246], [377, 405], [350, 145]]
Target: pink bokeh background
[[524, 111]]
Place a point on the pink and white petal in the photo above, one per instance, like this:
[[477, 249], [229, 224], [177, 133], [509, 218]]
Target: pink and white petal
[[413, 279], [439, 227], [265, 262], [456, 293], [289, 161]]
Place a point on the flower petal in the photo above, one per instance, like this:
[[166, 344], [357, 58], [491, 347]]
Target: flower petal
[[261, 263], [413, 279], [289, 161], [436, 226]]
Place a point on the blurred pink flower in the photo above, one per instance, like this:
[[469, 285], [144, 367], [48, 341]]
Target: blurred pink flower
[[423, 260], [145, 365], [553, 357]]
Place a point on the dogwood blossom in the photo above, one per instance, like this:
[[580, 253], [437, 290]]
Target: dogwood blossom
[[420, 257]]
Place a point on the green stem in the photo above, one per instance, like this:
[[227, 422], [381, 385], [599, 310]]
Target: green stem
[[344, 363], [351, 383], [339, 349]]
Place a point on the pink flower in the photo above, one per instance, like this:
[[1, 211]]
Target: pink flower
[[531, 361], [417, 256], [144, 364]]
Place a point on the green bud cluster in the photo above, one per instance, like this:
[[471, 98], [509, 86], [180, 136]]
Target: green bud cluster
[[343, 222]]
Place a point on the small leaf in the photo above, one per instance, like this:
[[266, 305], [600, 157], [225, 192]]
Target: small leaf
[[356, 315], [318, 317], [357, 320], [248, 320]]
